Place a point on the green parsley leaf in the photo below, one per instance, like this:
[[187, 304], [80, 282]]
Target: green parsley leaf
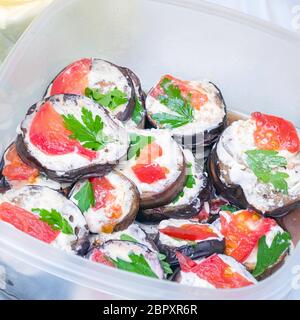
[[162, 256], [89, 132], [278, 180], [127, 237], [85, 197], [112, 99], [55, 220], [138, 112], [93, 125], [173, 100], [263, 163], [166, 266], [227, 207], [189, 182], [137, 143], [169, 121], [138, 265], [268, 256]]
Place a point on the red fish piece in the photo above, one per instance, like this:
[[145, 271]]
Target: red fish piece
[[73, 79], [149, 173], [220, 274], [214, 270], [27, 222], [102, 192], [150, 153], [17, 169], [190, 232], [99, 257], [186, 263], [274, 133], [196, 96], [242, 232]]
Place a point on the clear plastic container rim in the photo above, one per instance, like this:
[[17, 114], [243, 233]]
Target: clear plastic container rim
[[101, 277]]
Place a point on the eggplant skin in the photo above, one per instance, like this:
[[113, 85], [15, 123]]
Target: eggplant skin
[[136, 82], [235, 194], [127, 113], [4, 185], [175, 276], [130, 217], [142, 124], [178, 212], [208, 137], [211, 136], [154, 200], [82, 246], [122, 116], [291, 223], [201, 249], [139, 94]]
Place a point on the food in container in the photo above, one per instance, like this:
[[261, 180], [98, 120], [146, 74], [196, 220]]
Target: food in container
[[255, 164], [116, 88], [194, 111], [109, 203], [156, 165]]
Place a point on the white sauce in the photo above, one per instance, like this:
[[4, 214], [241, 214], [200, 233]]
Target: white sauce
[[192, 279], [149, 228], [189, 194]]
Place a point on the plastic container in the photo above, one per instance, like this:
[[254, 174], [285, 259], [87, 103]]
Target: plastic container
[[255, 64], [15, 16]]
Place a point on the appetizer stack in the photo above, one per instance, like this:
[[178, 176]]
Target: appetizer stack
[[102, 170]]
